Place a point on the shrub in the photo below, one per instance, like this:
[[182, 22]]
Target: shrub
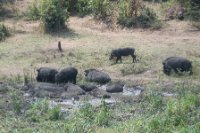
[[100, 8], [16, 100], [142, 21], [129, 8], [136, 15], [4, 32], [123, 8], [72, 8], [146, 18], [194, 15], [33, 12], [192, 9], [84, 7], [103, 115], [55, 113], [52, 13], [38, 110]]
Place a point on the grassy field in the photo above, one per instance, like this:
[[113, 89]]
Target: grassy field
[[87, 44]]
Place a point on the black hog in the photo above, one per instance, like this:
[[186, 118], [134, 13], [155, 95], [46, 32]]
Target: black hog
[[114, 88], [66, 75], [118, 53], [177, 64], [94, 75], [46, 74], [88, 87], [42, 90]]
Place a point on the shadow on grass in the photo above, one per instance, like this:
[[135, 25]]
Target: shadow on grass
[[7, 9], [6, 13], [65, 33]]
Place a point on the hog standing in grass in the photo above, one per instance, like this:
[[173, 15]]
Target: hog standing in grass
[[177, 64], [46, 74], [67, 75], [118, 53]]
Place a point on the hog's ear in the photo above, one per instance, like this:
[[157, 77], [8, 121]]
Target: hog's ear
[[86, 72], [163, 63]]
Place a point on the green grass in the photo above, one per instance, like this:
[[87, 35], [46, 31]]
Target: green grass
[[152, 114]]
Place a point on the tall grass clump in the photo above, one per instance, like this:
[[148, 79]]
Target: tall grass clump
[[87, 118], [40, 111], [28, 76], [16, 100], [4, 32]]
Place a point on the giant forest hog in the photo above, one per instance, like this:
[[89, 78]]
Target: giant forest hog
[[46, 74], [66, 75], [118, 53], [94, 75], [177, 64]]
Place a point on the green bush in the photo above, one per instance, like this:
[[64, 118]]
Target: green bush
[[72, 8], [123, 8], [84, 7], [100, 8], [4, 32], [147, 19], [55, 113], [52, 13]]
